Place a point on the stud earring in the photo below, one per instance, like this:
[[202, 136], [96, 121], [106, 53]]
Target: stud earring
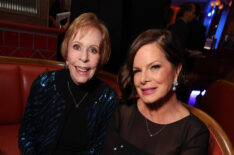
[[175, 84]]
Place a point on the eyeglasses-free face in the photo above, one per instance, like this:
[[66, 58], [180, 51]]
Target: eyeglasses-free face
[[84, 55], [153, 73]]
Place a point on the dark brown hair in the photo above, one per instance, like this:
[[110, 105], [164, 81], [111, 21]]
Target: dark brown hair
[[169, 45]]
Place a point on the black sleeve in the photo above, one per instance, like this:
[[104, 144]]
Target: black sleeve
[[197, 141]]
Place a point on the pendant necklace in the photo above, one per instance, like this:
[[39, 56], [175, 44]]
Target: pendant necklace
[[73, 98], [148, 130]]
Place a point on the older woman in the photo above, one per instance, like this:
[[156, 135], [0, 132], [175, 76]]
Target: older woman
[[151, 120], [67, 110]]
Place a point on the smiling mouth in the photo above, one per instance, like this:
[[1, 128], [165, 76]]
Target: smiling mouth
[[148, 91], [82, 69]]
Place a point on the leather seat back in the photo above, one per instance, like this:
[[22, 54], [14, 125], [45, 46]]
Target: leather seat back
[[15, 83]]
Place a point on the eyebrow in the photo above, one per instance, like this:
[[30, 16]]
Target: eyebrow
[[74, 41], [147, 64], [82, 44]]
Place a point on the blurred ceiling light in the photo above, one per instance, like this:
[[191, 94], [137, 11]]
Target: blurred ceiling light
[[221, 7], [218, 2], [212, 3]]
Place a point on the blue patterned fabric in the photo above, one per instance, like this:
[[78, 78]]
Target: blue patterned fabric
[[44, 111]]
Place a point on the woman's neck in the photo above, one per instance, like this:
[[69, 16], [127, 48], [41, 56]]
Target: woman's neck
[[163, 112]]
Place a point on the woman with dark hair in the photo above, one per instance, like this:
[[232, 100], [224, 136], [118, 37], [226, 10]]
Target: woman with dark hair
[[150, 119]]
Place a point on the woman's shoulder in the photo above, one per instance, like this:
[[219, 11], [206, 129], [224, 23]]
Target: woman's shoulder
[[192, 120], [125, 110], [124, 106], [195, 126], [45, 78], [196, 122], [52, 74], [190, 125]]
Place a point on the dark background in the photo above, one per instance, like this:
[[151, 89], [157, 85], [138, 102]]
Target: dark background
[[125, 19]]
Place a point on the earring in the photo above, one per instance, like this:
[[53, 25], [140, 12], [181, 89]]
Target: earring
[[66, 64], [175, 84]]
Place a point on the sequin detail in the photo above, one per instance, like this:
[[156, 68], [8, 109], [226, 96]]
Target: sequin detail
[[45, 106]]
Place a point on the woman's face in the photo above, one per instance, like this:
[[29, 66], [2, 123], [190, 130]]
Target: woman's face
[[153, 73], [84, 55]]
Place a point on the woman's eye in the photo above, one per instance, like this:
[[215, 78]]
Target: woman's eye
[[76, 47], [93, 50], [135, 71], [155, 66]]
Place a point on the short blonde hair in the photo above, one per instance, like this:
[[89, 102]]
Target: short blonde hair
[[82, 23]]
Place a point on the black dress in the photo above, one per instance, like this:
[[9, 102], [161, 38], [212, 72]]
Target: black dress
[[129, 135]]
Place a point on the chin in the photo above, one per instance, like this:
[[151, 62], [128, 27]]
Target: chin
[[82, 81], [152, 100], [148, 101]]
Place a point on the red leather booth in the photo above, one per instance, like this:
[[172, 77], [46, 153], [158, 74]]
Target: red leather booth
[[16, 76]]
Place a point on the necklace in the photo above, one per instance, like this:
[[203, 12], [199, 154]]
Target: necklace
[[73, 98], [148, 130]]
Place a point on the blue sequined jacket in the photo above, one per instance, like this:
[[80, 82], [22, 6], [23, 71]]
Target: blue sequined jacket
[[45, 110]]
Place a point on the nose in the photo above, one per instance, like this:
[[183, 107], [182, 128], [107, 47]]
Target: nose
[[144, 77], [84, 57]]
